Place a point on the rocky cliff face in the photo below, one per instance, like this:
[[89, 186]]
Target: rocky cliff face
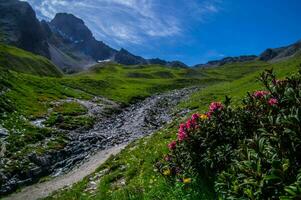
[[73, 31], [20, 27]]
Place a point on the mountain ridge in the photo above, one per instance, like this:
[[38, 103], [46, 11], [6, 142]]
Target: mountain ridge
[[65, 40], [269, 55]]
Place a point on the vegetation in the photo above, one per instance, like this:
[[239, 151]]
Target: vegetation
[[250, 152], [135, 166], [69, 116], [25, 96], [19, 60]]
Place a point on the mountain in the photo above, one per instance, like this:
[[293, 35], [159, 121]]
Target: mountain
[[281, 53], [74, 39], [269, 55], [228, 60], [72, 45], [65, 40], [20, 27]]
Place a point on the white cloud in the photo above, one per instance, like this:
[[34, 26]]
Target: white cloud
[[130, 21]]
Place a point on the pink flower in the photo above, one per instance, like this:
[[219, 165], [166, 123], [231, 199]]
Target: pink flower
[[189, 124], [182, 128], [215, 106], [182, 135], [273, 101], [172, 145], [195, 116], [260, 94]]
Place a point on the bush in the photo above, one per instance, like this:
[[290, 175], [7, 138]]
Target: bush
[[249, 152]]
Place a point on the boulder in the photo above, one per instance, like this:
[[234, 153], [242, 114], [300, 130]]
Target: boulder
[[3, 132]]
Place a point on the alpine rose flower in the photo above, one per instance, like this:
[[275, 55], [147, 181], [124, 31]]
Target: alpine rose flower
[[189, 124], [182, 135], [172, 145], [260, 94], [195, 116], [182, 128], [273, 101], [215, 106]]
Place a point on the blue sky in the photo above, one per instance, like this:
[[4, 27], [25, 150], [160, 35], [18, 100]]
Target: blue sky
[[193, 31]]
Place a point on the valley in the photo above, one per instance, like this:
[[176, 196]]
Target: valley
[[81, 119], [87, 149]]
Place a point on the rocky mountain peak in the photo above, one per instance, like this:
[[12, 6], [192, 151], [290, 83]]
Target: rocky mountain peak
[[71, 27], [21, 28]]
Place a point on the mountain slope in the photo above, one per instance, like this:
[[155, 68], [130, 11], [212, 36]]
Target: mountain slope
[[21, 28], [126, 175], [15, 59], [280, 53], [269, 55]]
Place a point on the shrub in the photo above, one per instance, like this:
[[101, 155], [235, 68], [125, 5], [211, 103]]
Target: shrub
[[249, 152]]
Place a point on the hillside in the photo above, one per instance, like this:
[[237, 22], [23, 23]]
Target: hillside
[[150, 100], [15, 59], [44, 115], [132, 174], [39, 114]]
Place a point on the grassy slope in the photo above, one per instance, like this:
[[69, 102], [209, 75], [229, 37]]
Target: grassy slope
[[25, 96], [136, 163], [22, 61], [128, 84]]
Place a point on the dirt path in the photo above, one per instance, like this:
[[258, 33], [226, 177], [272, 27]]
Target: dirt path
[[42, 190]]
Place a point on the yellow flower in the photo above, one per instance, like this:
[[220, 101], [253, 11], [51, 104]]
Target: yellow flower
[[203, 116], [186, 180], [166, 172]]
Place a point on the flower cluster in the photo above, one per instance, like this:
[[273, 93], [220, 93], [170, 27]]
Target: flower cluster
[[251, 151], [214, 106], [273, 101], [260, 94], [192, 125]]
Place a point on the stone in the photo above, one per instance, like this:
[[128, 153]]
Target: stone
[[3, 132]]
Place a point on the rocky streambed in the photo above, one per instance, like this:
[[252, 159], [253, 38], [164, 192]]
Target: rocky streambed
[[135, 121]]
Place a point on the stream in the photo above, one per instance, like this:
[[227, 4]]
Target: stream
[[89, 149]]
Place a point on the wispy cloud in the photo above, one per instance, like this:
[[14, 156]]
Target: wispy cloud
[[120, 22]]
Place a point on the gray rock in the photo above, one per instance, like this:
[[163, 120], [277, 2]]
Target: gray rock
[[43, 161], [3, 132]]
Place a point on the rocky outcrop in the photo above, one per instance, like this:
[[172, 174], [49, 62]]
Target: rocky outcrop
[[281, 53], [3, 132], [125, 57], [21, 28]]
